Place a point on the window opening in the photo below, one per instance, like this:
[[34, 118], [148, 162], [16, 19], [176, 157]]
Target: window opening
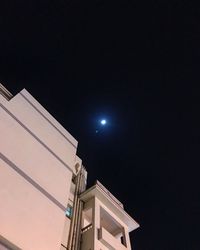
[[69, 211]]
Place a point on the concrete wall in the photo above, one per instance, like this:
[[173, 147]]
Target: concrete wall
[[100, 238], [114, 242], [37, 158], [65, 232]]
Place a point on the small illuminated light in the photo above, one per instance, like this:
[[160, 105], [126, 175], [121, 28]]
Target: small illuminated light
[[68, 211], [103, 122]]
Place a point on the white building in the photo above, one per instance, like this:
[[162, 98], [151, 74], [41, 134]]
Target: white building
[[43, 201]]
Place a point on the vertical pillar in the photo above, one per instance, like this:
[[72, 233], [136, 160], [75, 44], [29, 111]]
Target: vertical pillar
[[126, 237], [95, 221]]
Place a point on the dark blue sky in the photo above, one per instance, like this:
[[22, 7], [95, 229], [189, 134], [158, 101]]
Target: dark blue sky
[[136, 63]]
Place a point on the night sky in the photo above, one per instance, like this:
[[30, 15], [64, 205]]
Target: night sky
[[135, 63]]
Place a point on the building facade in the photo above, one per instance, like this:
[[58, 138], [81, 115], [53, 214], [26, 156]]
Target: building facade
[[44, 203]]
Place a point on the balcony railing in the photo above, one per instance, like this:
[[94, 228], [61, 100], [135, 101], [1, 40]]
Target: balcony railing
[[109, 240], [85, 229]]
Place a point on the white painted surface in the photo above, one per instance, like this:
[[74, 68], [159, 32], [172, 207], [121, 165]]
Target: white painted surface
[[43, 129], [33, 158], [27, 217], [35, 175]]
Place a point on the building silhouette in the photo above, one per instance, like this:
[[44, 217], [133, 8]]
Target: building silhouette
[[44, 203]]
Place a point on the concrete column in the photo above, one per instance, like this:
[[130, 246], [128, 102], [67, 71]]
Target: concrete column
[[95, 220], [127, 238]]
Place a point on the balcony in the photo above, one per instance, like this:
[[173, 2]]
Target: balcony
[[109, 240], [111, 202]]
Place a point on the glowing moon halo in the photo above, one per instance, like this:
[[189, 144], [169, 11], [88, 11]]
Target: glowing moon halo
[[103, 122]]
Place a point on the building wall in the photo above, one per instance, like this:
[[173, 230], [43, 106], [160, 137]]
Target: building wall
[[40, 176], [37, 159], [98, 244]]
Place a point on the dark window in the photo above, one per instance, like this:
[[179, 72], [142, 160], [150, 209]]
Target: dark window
[[74, 178], [123, 241]]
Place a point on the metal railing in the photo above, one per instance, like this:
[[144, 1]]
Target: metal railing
[[85, 229]]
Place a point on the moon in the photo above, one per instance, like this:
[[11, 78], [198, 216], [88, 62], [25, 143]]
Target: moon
[[103, 122]]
